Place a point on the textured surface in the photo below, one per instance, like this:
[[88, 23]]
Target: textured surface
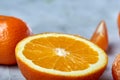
[[68, 16]]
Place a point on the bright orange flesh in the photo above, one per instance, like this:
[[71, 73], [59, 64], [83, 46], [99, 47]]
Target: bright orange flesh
[[12, 30], [53, 54], [100, 36]]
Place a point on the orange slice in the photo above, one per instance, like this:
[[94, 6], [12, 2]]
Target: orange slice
[[55, 56], [100, 36]]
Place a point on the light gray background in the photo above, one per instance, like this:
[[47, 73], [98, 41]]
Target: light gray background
[[67, 16]]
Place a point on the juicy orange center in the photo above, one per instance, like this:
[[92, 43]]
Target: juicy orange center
[[60, 53]]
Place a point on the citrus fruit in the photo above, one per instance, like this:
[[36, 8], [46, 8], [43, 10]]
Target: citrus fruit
[[12, 30], [118, 22], [116, 68], [100, 36], [58, 56]]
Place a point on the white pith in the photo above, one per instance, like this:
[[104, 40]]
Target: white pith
[[61, 52]]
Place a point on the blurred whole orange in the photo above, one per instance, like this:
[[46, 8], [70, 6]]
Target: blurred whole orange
[[12, 30]]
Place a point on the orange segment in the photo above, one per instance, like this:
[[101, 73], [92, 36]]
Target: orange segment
[[100, 36], [60, 57]]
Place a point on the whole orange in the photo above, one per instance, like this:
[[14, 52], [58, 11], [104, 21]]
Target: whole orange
[[12, 30]]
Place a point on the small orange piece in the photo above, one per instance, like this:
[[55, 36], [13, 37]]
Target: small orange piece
[[12, 30], [100, 36], [118, 21], [55, 56], [116, 68]]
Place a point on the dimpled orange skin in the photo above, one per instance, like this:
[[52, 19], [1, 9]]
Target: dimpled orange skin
[[116, 68], [12, 30]]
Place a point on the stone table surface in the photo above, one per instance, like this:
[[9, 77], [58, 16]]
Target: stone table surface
[[67, 16]]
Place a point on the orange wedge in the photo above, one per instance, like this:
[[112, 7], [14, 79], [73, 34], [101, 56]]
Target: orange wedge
[[56, 56], [100, 36]]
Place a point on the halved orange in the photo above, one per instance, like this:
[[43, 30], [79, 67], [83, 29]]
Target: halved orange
[[100, 36], [56, 56]]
